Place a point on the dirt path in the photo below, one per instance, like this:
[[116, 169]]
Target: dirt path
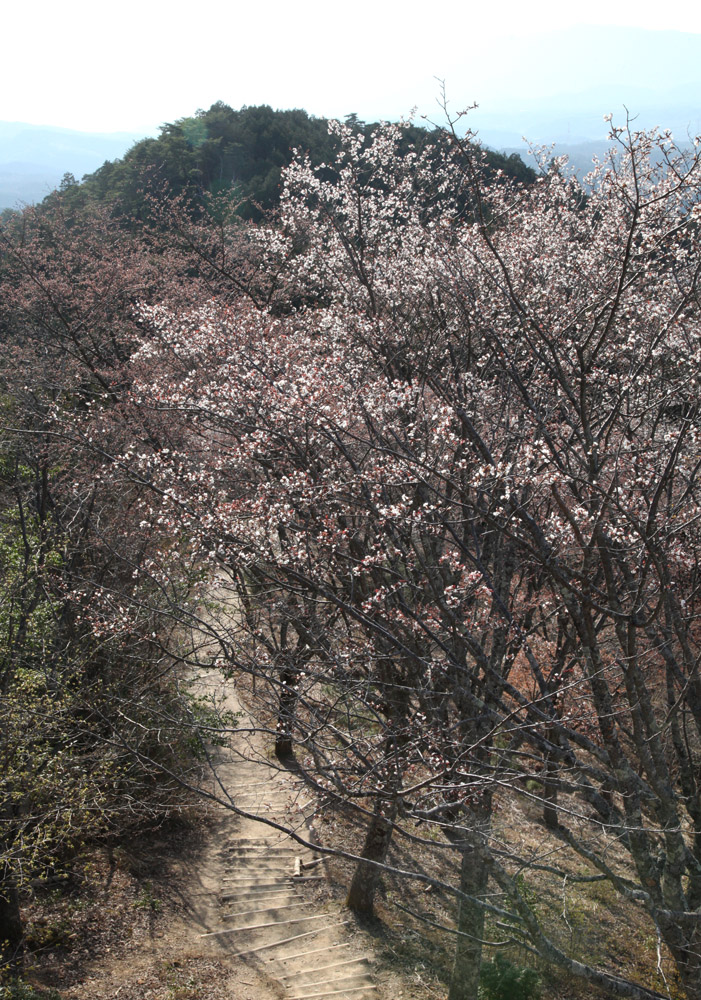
[[259, 898], [243, 912]]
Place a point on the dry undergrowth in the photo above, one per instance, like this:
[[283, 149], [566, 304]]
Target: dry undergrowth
[[108, 933], [115, 930], [589, 921]]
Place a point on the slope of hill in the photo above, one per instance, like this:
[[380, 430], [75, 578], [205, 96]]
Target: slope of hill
[[34, 158], [223, 149]]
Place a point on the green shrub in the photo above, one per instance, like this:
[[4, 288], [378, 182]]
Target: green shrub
[[147, 900], [501, 980], [19, 990]]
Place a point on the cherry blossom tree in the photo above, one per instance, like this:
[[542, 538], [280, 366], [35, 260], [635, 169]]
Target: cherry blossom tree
[[454, 484]]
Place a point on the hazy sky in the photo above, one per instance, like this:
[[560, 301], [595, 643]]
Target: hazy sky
[[133, 65]]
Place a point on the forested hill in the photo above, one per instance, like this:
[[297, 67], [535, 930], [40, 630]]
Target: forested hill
[[221, 149]]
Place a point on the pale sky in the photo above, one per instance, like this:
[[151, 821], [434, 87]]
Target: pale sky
[[133, 65]]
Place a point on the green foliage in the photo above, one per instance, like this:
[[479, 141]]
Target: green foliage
[[19, 990], [49, 934], [221, 150], [213, 151], [209, 725], [527, 892], [47, 801], [502, 980], [147, 901], [73, 704]]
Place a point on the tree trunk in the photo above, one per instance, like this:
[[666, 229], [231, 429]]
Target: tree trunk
[[682, 938], [690, 975], [286, 713], [550, 814], [464, 980], [11, 951], [361, 895]]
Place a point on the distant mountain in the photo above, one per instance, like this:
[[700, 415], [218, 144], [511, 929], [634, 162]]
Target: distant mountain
[[577, 75], [34, 158], [572, 77], [555, 87], [579, 118]]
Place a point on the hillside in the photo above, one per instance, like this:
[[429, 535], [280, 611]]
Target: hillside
[[411, 467], [34, 158], [218, 150]]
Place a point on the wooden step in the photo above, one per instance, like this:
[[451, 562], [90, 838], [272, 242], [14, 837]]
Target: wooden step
[[263, 848], [250, 896], [334, 993], [247, 886], [258, 927], [272, 868], [265, 909], [337, 980], [316, 951], [289, 940], [322, 968]]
